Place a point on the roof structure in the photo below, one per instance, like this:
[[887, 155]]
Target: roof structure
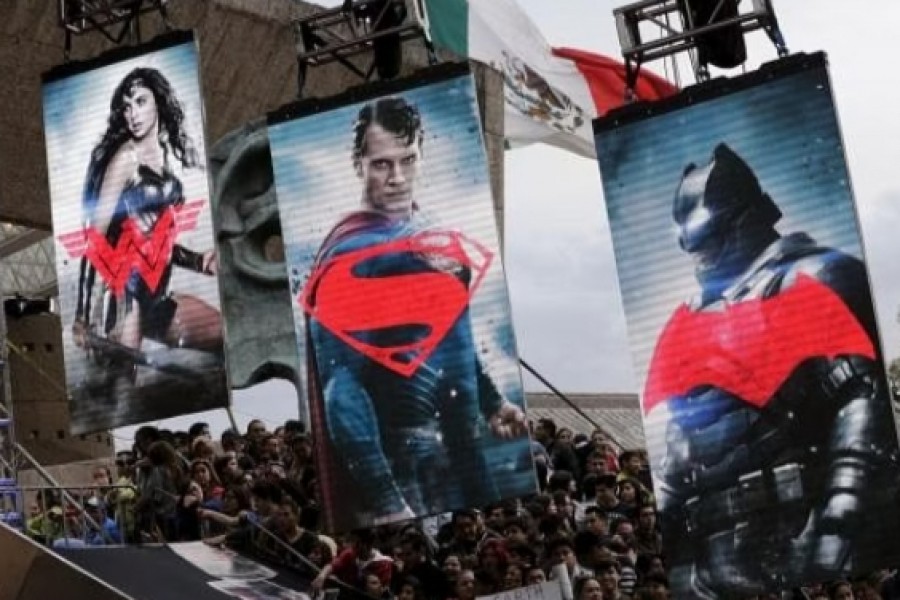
[[618, 414], [26, 262]]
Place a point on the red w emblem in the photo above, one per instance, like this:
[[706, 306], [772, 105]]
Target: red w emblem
[[346, 303], [148, 254]]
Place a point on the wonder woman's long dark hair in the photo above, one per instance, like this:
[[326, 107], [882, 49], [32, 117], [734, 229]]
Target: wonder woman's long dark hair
[[172, 134]]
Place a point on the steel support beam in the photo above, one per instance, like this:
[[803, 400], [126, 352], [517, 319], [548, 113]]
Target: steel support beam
[[653, 29]]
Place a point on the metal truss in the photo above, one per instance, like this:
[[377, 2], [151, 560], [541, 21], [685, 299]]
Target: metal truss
[[26, 262], [653, 29], [357, 28], [114, 19]]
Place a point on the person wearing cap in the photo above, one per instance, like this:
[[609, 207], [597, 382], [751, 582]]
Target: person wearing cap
[[103, 530]]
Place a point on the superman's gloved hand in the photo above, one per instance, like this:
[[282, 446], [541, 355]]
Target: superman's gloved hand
[[508, 422]]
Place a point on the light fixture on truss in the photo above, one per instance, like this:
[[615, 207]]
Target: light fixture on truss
[[379, 28], [114, 19], [712, 29]]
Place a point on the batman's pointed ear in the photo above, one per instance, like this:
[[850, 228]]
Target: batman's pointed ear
[[723, 150]]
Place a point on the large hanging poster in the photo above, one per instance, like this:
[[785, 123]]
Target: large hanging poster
[[400, 301], [751, 324], [135, 259]]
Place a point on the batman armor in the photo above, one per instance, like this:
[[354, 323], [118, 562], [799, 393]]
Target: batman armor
[[769, 492]]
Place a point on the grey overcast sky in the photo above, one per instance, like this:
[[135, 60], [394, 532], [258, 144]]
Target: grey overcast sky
[[568, 316]]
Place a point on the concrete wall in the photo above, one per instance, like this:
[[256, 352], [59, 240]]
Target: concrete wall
[[40, 406]]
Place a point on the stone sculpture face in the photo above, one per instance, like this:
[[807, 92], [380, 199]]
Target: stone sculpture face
[[256, 301]]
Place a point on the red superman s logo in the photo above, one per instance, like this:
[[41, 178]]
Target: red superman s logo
[[347, 304]]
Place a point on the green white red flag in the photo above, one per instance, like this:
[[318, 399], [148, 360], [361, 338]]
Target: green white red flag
[[551, 94]]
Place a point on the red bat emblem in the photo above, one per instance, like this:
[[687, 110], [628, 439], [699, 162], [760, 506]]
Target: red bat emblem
[[346, 304], [148, 254], [751, 347]]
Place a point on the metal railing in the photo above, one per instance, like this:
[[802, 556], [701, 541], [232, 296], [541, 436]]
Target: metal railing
[[62, 516]]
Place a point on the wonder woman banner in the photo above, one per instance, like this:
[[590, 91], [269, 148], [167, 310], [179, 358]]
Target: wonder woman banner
[[135, 258], [753, 333], [400, 301]]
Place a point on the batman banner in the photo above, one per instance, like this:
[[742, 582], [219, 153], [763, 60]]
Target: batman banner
[[753, 333], [135, 260], [400, 301]]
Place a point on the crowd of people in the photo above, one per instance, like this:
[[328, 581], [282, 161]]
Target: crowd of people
[[592, 525]]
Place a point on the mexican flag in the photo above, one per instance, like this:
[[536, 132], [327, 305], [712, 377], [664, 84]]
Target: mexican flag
[[552, 94]]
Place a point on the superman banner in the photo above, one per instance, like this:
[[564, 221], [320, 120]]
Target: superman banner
[[136, 266], [400, 302], [752, 328]]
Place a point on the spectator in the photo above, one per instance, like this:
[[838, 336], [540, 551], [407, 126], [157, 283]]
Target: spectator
[[452, 567], [270, 448], [654, 587], [431, 579], [562, 551], [606, 500], [144, 437], [587, 588], [46, 526], [232, 442], [562, 454], [510, 546], [198, 430], [535, 575], [227, 470], [373, 585], [492, 561], [302, 470], [841, 590], [565, 435], [202, 491], [513, 577], [469, 532], [647, 537], [321, 554], [349, 564], [158, 486], [596, 521], [103, 530], [256, 429], [465, 585], [285, 523], [609, 574], [236, 505], [410, 589], [521, 553], [516, 530]]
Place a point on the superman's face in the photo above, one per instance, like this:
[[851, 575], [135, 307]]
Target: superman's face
[[388, 171]]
